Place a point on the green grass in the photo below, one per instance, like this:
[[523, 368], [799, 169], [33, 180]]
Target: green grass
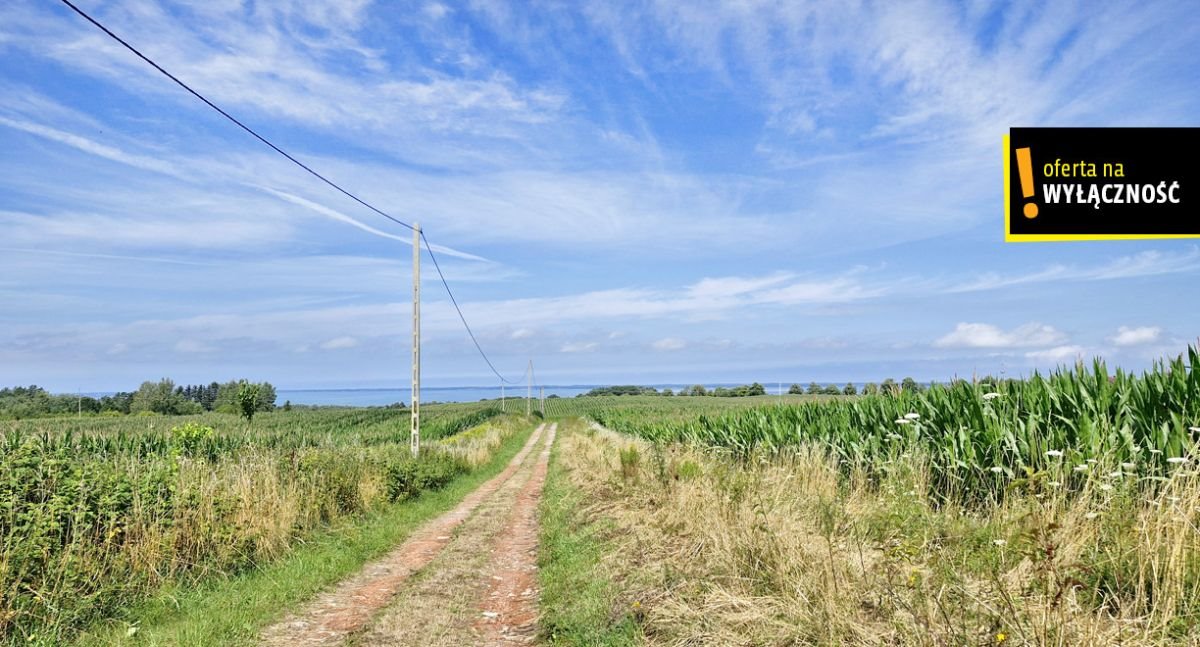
[[234, 611], [581, 605]]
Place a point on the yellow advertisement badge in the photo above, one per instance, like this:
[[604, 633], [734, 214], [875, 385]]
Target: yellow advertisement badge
[[1100, 184]]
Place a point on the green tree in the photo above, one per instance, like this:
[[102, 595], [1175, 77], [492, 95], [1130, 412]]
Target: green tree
[[795, 389], [909, 385], [698, 389], [248, 399], [756, 389], [870, 388], [157, 397], [814, 388], [849, 389], [668, 392], [888, 387]]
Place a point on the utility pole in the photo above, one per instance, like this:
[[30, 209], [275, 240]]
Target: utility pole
[[415, 435], [529, 390]]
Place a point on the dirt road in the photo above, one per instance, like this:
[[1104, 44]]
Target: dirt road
[[467, 577]]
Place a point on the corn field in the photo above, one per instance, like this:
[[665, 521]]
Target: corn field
[[976, 437], [97, 512]]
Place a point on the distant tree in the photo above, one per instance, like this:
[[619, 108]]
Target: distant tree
[[157, 397], [721, 392], [247, 399], [910, 385], [870, 388], [697, 389], [814, 388], [287, 405], [756, 389], [668, 392], [888, 387], [849, 389], [795, 389], [830, 390]]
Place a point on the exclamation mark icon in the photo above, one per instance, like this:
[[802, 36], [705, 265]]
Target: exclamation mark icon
[[1025, 171]]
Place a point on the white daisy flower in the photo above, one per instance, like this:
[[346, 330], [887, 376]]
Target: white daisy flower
[[1054, 453], [999, 542], [902, 421], [1081, 468], [1177, 460], [1091, 515], [997, 469], [1128, 466], [991, 396], [912, 416]]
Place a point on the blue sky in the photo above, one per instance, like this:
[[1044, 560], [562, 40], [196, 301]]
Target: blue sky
[[626, 192]]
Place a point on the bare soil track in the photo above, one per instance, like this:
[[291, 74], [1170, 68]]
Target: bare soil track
[[466, 577]]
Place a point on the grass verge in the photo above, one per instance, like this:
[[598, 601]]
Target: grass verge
[[580, 602], [233, 611]]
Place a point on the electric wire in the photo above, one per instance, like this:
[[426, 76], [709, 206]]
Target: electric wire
[[331, 183]]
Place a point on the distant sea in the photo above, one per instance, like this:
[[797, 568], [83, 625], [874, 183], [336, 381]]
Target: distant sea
[[380, 397]]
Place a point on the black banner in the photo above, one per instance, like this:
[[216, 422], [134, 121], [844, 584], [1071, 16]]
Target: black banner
[[1102, 183]]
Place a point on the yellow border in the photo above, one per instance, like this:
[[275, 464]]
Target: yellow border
[[1055, 238]]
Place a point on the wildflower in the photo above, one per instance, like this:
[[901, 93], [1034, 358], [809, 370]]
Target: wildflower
[[1054, 484], [894, 436], [1128, 466], [991, 396], [999, 542], [1194, 430], [1177, 460], [1091, 515], [997, 469], [1054, 453], [1091, 461], [902, 421], [1106, 487], [1001, 637], [1115, 475], [1081, 468], [912, 416], [1155, 451]]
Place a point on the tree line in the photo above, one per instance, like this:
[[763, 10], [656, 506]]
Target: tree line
[[889, 385], [163, 397]]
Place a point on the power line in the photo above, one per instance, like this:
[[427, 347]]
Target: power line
[[230, 117], [461, 317], [302, 165]]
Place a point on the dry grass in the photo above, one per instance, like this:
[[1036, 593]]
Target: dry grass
[[787, 550]]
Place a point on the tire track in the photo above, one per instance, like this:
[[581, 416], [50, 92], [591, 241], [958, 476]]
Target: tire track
[[336, 614], [509, 610]]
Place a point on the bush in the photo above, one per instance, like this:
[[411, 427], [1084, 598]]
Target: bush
[[430, 471]]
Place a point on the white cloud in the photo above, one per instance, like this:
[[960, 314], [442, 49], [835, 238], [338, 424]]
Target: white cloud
[[578, 347], [89, 146], [669, 344], [982, 335], [1139, 336], [1147, 263], [340, 343], [192, 346], [1058, 354], [521, 333]]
